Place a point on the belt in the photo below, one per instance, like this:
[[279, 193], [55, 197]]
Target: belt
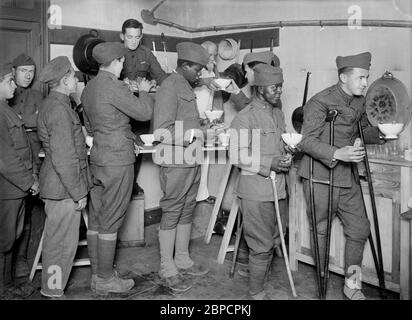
[[31, 130]]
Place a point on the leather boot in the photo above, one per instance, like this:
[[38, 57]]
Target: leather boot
[[182, 258], [107, 280]]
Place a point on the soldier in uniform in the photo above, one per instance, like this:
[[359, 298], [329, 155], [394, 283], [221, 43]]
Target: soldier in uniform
[[250, 60], [16, 181], [64, 176], [139, 62], [26, 103], [109, 105], [176, 113], [254, 187], [346, 97]]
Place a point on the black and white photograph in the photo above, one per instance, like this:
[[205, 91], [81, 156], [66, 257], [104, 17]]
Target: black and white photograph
[[200, 155]]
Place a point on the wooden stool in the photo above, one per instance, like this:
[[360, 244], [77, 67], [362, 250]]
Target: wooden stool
[[218, 202], [224, 246], [76, 262], [131, 233]]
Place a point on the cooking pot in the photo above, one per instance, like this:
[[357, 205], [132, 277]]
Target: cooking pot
[[82, 53], [387, 101], [297, 115]]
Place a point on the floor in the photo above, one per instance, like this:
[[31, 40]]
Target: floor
[[141, 263]]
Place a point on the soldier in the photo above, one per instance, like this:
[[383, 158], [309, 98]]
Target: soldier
[[175, 108], [139, 59], [64, 176], [16, 181], [139, 62], [254, 187], [250, 60], [346, 97], [109, 105], [26, 103]]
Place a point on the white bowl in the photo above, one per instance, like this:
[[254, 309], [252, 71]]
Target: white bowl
[[390, 130], [222, 83], [292, 139], [147, 139], [213, 115]]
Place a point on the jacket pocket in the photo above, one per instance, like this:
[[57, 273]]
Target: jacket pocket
[[18, 135]]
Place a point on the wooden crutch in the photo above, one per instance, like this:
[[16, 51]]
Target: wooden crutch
[[282, 240]]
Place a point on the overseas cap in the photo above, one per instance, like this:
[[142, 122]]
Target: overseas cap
[[361, 60], [265, 57], [55, 69], [192, 52], [266, 75], [23, 60], [5, 69], [106, 52]]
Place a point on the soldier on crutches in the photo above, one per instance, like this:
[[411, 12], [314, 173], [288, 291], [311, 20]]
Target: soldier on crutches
[[264, 123], [323, 154]]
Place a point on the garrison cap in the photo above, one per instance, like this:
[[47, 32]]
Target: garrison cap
[[361, 60], [55, 69], [190, 51], [265, 57], [5, 69], [106, 52], [23, 60], [266, 75]]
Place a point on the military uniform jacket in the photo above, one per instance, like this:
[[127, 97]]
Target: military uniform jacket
[[267, 123], [140, 63], [27, 102], [108, 105], [16, 175], [316, 132], [64, 173], [176, 113]]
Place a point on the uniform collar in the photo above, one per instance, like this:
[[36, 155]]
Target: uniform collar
[[65, 99], [107, 74], [182, 79], [346, 97], [4, 103], [265, 106]]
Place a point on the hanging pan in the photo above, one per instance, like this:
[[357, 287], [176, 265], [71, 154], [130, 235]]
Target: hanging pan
[[82, 53], [297, 115], [387, 101]]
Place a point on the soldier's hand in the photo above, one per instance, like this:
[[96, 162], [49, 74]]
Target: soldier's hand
[[350, 154], [34, 189], [145, 85], [281, 164], [290, 149], [81, 204]]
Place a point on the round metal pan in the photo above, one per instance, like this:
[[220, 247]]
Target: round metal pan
[[387, 101]]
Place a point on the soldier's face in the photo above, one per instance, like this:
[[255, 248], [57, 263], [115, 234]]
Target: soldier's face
[[355, 81], [7, 87], [71, 81], [24, 75], [272, 93], [132, 38], [192, 73]]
